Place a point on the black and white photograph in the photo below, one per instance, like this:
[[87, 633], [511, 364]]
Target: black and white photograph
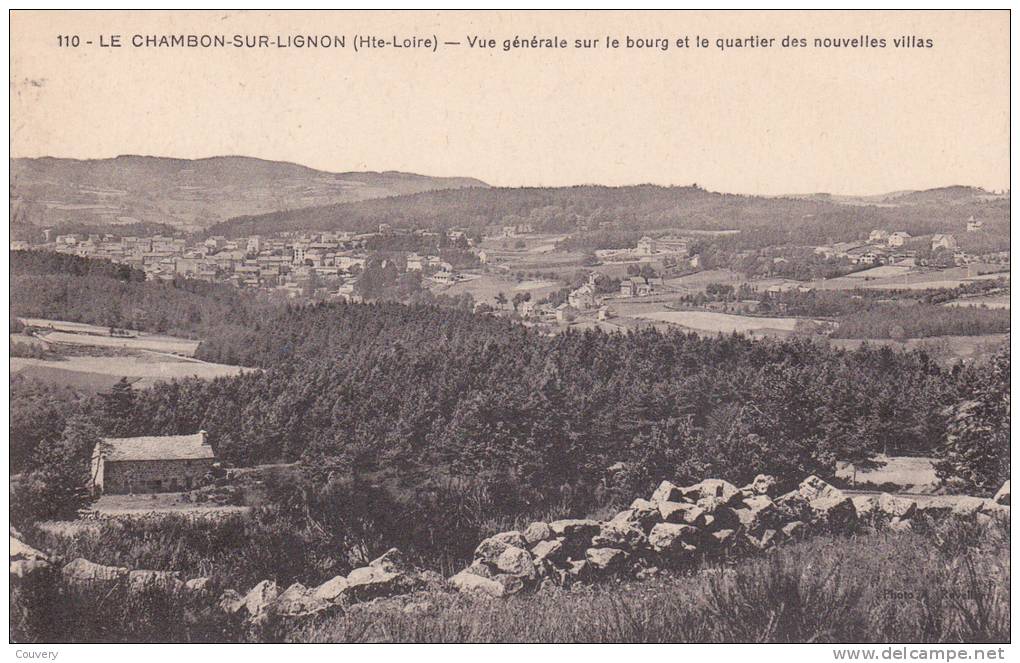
[[517, 326]]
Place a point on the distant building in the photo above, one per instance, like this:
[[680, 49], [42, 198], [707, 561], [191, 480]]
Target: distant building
[[254, 244], [898, 238], [647, 246], [878, 236], [974, 226], [582, 298], [636, 286], [941, 241], [151, 464]]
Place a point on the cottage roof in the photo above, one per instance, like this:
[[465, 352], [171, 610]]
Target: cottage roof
[[157, 447]]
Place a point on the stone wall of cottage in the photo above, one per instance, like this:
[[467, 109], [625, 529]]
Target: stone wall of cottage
[[153, 476]]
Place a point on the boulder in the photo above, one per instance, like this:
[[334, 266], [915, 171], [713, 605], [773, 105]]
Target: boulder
[[516, 562], [899, 525], [1002, 496], [231, 602], [164, 581], [967, 507], [471, 583], [202, 585], [24, 569], [723, 537], [643, 513], [575, 529], [936, 510], [814, 488], [616, 534], [833, 511], [766, 539], [259, 598], [718, 488], [491, 548], [667, 492], [331, 590], [579, 570], [480, 568], [548, 551], [536, 532], [511, 584], [392, 561], [298, 601], [892, 506], [84, 573], [21, 550], [605, 560], [372, 582], [793, 506], [722, 516], [794, 530], [759, 514], [672, 538], [764, 484], [682, 512], [866, 506]]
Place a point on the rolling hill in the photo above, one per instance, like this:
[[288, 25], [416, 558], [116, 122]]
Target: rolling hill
[[187, 194]]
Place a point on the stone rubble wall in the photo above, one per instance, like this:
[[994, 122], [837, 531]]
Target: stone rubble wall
[[672, 530]]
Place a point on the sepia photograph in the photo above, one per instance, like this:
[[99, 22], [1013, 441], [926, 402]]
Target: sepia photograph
[[517, 326]]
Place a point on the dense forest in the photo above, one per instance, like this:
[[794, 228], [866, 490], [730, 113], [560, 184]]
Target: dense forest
[[762, 221], [64, 287]]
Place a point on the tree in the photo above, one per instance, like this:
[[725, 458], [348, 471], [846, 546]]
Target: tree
[[60, 485], [520, 298], [975, 455], [501, 300]]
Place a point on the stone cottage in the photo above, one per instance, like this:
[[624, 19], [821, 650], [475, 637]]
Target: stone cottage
[[151, 464]]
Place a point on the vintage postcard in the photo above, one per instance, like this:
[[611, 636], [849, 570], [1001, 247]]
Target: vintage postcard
[[510, 327]]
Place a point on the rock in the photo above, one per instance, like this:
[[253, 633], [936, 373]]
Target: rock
[[230, 602], [20, 550], [491, 548], [579, 570], [667, 492], [605, 560], [722, 538], [759, 514], [899, 525], [200, 585], [793, 506], [1002, 496], [643, 513], [536, 532], [673, 538], [297, 601], [936, 510], [995, 509], [723, 490], [371, 582], [511, 584], [258, 599], [83, 573], [682, 512], [966, 506], [551, 551], [516, 562], [331, 590], [577, 528], [25, 569], [616, 534], [794, 530], [764, 484], [892, 506], [166, 581], [833, 511], [392, 561], [866, 506], [814, 488], [722, 516], [766, 539], [480, 568], [470, 583]]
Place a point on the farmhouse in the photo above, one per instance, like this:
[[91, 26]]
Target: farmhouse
[[941, 241], [898, 238], [150, 464]]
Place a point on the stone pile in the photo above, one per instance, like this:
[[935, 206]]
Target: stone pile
[[678, 525]]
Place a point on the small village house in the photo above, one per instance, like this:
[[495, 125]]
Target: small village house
[[941, 241], [898, 238], [151, 464]]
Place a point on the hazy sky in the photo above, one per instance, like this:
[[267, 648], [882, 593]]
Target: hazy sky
[[768, 121]]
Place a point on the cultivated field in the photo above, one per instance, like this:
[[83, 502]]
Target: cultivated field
[[710, 321], [143, 369], [76, 333]]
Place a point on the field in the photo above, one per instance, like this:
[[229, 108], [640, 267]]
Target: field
[[99, 373], [485, 287], [76, 333], [989, 301], [909, 474], [710, 321], [946, 348]]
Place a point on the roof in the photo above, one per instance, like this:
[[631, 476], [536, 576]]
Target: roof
[[155, 447]]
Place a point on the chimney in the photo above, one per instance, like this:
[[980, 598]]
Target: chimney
[[204, 436]]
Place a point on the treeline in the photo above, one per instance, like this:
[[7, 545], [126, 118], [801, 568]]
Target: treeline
[[881, 320], [763, 221], [57, 286]]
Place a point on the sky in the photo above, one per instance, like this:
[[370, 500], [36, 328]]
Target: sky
[[743, 120]]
